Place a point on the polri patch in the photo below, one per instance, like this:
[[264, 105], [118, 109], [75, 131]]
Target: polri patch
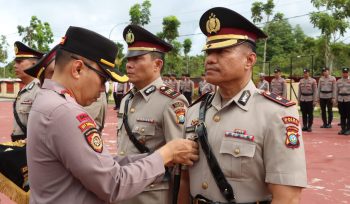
[[93, 138], [180, 115], [290, 120], [292, 137], [168, 92], [86, 125], [239, 134], [84, 117], [178, 104]]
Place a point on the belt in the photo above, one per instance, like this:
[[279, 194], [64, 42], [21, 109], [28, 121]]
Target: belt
[[344, 94], [326, 91], [307, 94], [202, 200]]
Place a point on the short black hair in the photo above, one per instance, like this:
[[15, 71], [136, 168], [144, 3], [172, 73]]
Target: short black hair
[[62, 57], [158, 55]]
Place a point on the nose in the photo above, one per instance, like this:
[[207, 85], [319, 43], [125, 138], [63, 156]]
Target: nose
[[211, 58]]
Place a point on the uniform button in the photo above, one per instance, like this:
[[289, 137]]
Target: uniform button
[[142, 129], [151, 186], [132, 110], [237, 151], [204, 185], [216, 118], [122, 153]]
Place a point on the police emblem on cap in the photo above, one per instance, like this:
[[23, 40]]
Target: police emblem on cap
[[213, 24], [129, 37], [16, 49]]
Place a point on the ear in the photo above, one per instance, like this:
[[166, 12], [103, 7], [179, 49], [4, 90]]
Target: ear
[[76, 68], [251, 60], [158, 64]]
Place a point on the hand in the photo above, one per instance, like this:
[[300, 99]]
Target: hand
[[179, 151]]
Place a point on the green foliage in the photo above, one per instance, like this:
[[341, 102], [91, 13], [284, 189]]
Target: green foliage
[[9, 71], [37, 35], [3, 49], [140, 14], [170, 28], [187, 44]]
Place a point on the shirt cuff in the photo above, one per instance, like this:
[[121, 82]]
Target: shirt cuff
[[297, 179]]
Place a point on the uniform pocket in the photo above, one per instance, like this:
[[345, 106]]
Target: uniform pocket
[[235, 157], [144, 131]]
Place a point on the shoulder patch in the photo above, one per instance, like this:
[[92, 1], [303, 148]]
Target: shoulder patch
[[201, 98], [165, 90], [278, 99], [93, 138]]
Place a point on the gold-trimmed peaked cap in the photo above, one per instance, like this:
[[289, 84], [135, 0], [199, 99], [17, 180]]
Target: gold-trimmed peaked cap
[[140, 41], [224, 28], [94, 47], [22, 51]]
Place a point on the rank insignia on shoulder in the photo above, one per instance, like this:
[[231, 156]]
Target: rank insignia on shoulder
[[165, 90], [290, 120], [93, 138], [239, 134], [150, 90], [292, 137], [278, 99]]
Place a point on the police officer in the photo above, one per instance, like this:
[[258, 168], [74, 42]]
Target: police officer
[[251, 147], [263, 84], [151, 114], [24, 57], [326, 95], [188, 88], [278, 84], [173, 83], [343, 100], [307, 97], [67, 160], [166, 79]]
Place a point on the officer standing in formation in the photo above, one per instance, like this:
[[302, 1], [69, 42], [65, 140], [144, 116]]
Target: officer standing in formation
[[151, 114], [188, 88], [307, 96], [205, 87], [278, 84], [326, 95], [263, 84], [66, 157], [343, 99], [251, 146], [173, 83], [24, 57]]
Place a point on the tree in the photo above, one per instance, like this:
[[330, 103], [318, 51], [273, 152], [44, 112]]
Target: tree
[[257, 9], [170, 28], [37, 35], [187, 44], [120, 61], [3, 49], [332, 23], [140, 14]]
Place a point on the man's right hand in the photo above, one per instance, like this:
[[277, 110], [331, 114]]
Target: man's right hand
[[179, 151]]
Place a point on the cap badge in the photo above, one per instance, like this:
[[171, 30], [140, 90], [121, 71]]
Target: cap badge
[[129, 38], [16, 49], [213, 24]]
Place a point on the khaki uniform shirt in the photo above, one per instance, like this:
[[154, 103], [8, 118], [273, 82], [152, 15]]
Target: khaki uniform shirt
[[24, 101], [188, 86], [67, 161], [251, 138], [174, 84], [343, 90], [206, 87], [279, 86], [326, 87], [263, 85], [98, 109], [307, 89], [156, 119]]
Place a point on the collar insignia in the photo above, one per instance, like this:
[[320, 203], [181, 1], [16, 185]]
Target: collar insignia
[[244, 97]]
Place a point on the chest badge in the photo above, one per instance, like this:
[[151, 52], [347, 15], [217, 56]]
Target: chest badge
[[239, 134]]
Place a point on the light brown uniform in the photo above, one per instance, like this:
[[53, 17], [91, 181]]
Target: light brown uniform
[[248, 136], [279, 87], [174, 84], [307, 89], [156, 119], [326, 87], [342, 93], [98, 109], [24, 101], [263, 85]]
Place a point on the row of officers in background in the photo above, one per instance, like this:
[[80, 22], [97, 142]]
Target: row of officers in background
[[328, 92]]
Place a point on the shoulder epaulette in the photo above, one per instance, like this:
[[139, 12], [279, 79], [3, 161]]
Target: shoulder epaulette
[[165, 90], [201, 98], [277, 98]]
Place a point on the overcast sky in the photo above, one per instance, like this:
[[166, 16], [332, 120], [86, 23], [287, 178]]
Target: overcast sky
[[109, 17]]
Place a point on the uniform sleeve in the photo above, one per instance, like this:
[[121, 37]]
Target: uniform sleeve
[[299, 92], [284, 89], [334, 88], [283, 149], [314, 88], [336, 91], [174, 118], [319, 88], [80, 152]]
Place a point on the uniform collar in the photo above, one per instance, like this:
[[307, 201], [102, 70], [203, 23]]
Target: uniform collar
[[58, 88], [30, 84], [156, 83], [243, 99]]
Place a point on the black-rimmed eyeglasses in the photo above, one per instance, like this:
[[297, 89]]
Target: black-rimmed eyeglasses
[[104, 76]]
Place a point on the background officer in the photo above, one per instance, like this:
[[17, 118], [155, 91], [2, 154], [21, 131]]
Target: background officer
[[253, 149], [205, 87], [278, 84], [173, 83], [66, 158], [307, 97], [343, 100], [326, 94], [188, 88], [263, 84], [151, 114], [24, 58]]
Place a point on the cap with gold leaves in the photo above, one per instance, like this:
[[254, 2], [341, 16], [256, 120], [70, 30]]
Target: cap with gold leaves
[[22, 51], [140, 41], [224, 28], [37, 69], [94, 47]]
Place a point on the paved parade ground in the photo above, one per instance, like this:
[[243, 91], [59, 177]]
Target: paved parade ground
[[327, 153]]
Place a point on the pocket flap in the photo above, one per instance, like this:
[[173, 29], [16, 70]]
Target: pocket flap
[[237, 149]]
